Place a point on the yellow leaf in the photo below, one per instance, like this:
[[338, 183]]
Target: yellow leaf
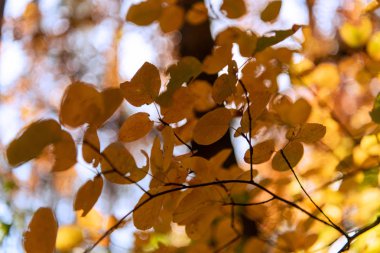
[[171, 18], [168, 137], [271, 11], [324, 75], [91, 147], [135, 127], [119, 166], [68, 237], [373, 46], [65, 152], [233, 8], [220, 57], [145, 12], [88, 194], [42, 232], [212, 126], [197, 14], [262, 152], [223, 87], [32, 140], [81, 104], [145, 217], [293, 153], [308, 133], [356, 34], [144, 86]]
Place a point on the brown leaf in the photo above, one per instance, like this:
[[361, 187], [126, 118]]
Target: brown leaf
[[262, 152], [88, 194], [293, 152], [42, 232], [271, 11], [135, 127]]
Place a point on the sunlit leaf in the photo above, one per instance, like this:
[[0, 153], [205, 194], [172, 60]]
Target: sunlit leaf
[[91, 147], [171, 18], [81, 103], [144, 86], [144, 13], [233, 8], [69, 237], [42, 232], [220, 57], [65, 152], [212, 126], [88, 194], [356, 34], [119, 166], [279, 35], [293, 153], [135, 127], [271, 11], [262, 152], [308, 133], [299, 112], [197, 14], [375, 113], [223, 87], [32, 140]]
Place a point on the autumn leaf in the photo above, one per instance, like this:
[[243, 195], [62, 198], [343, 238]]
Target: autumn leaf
[[224, 86], [197, 14], [168, 147], [69, 237], [293, 153], [65, 152], [171, 18], [233, 8], [212, 126], [42, 232], [135, 127], [144, 13], [308, 133], [32, 140], [88, 194], [262, 152], [279, 35], [112, 99], [145, 217], [220, 57], [81, 103], [91, 147], [144, 86], [271, 11]]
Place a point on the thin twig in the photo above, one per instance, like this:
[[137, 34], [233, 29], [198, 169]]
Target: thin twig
[[248, 204]]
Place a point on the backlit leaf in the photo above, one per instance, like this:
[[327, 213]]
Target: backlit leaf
[[245, 39], [144, 86], [262, 152], [91, 147], [299, 112], [308, 133], [171, 18], [212, 126], [233, 8], [112, 99], [32, 140], [144, 13], [81, 103], [375, 113], [293, 152], [220, 57], [65, 152], [42, 232], [119, 166], [88, 194], [271, 11], [197, 14], [182, 98], [135, 127], [168, 136], [223, 87], [69, 237], [145, 217], [279, 35]]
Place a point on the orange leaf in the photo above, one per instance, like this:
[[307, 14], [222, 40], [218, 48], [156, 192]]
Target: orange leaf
[[212, 126], [135, 127], [233, 8], [144, 13], [171, 18], [88, 194], [262, 152], [308, 133], [293, 153], [271, 11]]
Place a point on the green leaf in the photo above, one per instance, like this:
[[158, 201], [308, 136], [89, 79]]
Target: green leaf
[[375, 113]]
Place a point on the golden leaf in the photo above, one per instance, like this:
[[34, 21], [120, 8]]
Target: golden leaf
[[144, 13], [88, 194], [168, 137], [91, 147], [308, 133], [42, 232], [233, 8], [293, 153], [65, 152], [144, 86], [197, 14], [145, 217], [171, 18], [223, 87], [69, 237], [262, 152], [135, 127], [212, 126], [220, 57]]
